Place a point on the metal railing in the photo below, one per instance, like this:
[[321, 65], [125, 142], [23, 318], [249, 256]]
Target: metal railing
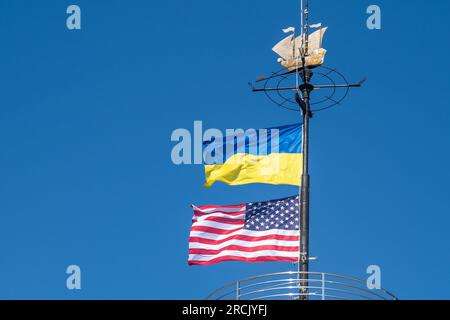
[[289, 285]]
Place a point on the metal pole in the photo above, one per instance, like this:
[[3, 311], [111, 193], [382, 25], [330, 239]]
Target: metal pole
[[305, 187], [323, 286], [306, 89], [306, 26]]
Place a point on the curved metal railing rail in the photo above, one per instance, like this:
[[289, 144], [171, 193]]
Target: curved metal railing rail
[[288, 285]]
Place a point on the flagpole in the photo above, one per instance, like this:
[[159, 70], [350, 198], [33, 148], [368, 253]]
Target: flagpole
[[304, 103]]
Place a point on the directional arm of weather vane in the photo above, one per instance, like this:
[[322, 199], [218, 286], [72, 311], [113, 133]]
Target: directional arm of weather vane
[[314, 87], [351, 85]]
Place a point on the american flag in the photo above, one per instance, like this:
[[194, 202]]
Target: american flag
[[251, 232]]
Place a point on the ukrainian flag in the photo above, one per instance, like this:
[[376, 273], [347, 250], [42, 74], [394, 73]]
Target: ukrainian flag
[[272, 156]]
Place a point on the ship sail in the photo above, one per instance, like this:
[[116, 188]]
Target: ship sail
[[289, 49], [315, 39], [285, 47]]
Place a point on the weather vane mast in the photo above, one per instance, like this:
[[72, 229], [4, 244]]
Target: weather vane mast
[[300, 55]]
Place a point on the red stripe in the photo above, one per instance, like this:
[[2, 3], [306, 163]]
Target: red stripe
[[219, 207], [236, 258], [214, 230], [243, 249], [201, 213], [225, 220], [244, 238]]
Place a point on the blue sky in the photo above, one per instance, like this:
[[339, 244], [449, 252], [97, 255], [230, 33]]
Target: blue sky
[[86, 117]]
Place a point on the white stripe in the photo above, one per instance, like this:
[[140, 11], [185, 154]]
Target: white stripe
[[249, 244], [214, 236], [217, 225], [223, 209], [220, 215], [272, 253]]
